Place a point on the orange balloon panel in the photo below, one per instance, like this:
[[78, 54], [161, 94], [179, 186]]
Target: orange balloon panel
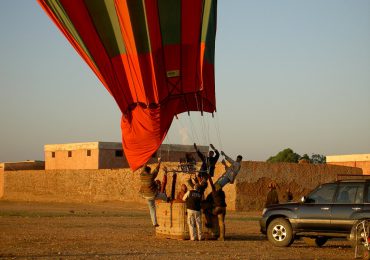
[[155, 57]]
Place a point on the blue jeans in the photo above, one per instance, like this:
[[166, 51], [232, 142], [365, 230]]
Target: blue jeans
[[221, 182], [151, 204]]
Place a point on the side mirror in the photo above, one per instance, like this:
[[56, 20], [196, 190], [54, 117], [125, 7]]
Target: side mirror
[[303, 199]]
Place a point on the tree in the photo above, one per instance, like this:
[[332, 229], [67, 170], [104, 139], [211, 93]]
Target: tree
[[287, 155], [318, 159], [305, 157]]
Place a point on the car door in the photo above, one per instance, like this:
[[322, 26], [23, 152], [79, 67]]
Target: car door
[[349, 201], [315, 212], [366, 209]]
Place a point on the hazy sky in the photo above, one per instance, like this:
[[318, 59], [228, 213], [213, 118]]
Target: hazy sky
[[289, 73]]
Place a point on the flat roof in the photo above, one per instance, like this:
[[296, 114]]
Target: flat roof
[[115, 146], [348, 158], [83, 146]]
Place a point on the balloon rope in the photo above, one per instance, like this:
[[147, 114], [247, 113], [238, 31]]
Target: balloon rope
[[206, 134], [218, 132], [206, 124], [168, 151], [201, 120], [181, 127], [193, 130], [169, 142]]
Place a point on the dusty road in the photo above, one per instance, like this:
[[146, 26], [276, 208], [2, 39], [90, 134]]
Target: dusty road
[[123, 231]]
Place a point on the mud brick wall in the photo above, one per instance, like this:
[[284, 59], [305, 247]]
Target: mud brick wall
[[252, 182], [1, 183], [82, 185], [248, 192], [365, 166], [71, 185]]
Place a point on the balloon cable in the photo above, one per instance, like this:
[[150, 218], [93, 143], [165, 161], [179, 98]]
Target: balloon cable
[[218, 132]]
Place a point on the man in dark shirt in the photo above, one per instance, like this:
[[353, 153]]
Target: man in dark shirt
[[272, 195], [288, 195], [193, 200], [208, 163], [219, 200]]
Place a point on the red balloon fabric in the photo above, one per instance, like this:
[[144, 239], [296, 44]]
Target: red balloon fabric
[[155, 57]]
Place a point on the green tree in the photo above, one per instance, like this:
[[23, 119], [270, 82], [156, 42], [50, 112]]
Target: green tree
[[287, 155], [318, 159], [305, 157]]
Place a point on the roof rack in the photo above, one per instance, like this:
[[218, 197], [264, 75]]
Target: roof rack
[[348, 177]]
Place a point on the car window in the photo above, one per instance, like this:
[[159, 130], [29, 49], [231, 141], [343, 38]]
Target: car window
[[350, 193], [360, 195], [368, 193], [323, 194]]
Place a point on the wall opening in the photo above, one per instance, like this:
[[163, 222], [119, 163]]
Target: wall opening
[[119, 153], [88, 152], [69, 153]]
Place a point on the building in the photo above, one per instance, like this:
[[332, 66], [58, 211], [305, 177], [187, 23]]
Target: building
[[175, 152], [91, 155], [105, 155], [352, 160]]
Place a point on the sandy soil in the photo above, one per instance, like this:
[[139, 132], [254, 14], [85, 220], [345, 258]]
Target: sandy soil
[[124, 231]]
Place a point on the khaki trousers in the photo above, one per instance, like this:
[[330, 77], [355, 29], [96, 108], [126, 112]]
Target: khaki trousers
[[195, 224]]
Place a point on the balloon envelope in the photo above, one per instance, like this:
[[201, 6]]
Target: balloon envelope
[[155, 57]]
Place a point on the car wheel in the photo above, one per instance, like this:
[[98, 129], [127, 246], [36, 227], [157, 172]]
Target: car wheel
[[279, 232]]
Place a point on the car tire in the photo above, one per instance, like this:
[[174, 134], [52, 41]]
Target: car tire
[[280, 232]]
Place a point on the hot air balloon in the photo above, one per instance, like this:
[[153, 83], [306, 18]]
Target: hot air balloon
[[155, 57]]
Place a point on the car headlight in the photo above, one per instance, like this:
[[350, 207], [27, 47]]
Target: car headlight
[[264, 211]]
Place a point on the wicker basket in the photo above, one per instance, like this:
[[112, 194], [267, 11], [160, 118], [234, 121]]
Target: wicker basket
[[172, 220]]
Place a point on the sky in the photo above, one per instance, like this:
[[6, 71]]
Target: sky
[[289, 73]]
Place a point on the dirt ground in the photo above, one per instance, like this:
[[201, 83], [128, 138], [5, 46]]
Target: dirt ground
[[124, 231]]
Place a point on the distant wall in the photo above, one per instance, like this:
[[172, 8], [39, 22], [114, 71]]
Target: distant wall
[[364, 165], [248, 192], [71, 185], [24, 165], [1, 183], [251, 185], [108, 159], [173, 153], [353, 160]]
